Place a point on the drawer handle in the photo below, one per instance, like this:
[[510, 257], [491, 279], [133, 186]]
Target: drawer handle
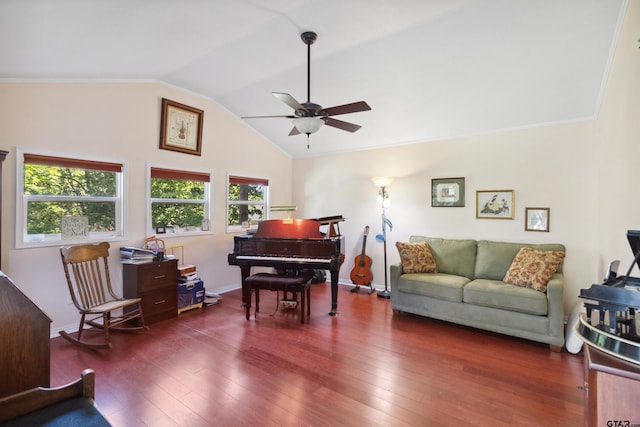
[[160, 277], [160, 302]]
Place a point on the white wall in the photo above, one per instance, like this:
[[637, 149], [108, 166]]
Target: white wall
[[121, 121], [619, 145], [546, 167], [585, 172]]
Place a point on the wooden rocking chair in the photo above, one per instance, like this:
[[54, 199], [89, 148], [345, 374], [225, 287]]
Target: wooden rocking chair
[[87, 272]]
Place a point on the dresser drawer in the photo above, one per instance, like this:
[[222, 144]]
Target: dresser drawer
[[156, 275], [157, 284], [159, 304]]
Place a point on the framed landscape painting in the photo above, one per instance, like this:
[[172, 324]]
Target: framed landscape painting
[[447, 192], [495, 204]]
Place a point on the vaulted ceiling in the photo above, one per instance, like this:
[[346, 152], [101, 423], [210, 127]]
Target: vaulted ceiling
[[429, 69]]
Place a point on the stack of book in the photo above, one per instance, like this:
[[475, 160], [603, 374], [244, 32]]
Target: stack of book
[[190, 288], [132, 255]]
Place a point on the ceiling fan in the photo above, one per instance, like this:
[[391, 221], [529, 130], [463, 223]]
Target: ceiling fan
[[308, 117]]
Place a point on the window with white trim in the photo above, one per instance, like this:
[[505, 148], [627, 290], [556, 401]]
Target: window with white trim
[[247, 202], [179, 201], [70, 200]]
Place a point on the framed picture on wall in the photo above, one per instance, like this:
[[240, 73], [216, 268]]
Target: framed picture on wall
[[181, 128], [536, 219], [447, 192], [495, 204]]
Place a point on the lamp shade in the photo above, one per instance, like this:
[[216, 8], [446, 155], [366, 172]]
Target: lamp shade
[[308, 125], [382, 181]]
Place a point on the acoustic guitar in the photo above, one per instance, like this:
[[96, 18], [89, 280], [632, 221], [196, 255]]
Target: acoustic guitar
[[361, 274]]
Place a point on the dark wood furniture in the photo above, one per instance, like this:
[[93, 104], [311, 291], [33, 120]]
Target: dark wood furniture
[[295, 284], [86, 268], [289, 244], [71, 404], [24, 341], [157, 284], [3, 155], [612, 389]]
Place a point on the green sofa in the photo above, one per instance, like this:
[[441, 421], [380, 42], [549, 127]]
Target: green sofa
[[468, 290]]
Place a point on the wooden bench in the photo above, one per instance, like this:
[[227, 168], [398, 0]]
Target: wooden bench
[[279, 282], [68, 405]]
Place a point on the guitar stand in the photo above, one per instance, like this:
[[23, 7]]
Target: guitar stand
[[357, 289]]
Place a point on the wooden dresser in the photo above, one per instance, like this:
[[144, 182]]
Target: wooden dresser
[[612, 390], [157, 284], [24, 342]]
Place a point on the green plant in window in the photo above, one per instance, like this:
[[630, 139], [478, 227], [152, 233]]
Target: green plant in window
[[64, 189]]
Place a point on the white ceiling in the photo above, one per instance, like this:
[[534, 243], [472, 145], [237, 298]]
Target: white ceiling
[[429, 69]]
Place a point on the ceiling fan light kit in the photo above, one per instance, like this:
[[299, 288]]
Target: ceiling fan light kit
[[308, 125], [308, 117]]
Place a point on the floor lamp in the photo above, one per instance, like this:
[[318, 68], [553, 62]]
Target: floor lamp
[[383, 199]]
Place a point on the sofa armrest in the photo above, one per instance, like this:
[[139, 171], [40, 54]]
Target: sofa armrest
[[395, 271], [555, 300]]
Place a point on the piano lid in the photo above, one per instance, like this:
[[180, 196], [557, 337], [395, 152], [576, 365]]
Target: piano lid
[[633, 236], [289, 229]]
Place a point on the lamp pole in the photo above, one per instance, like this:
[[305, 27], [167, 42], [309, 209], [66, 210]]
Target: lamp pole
[[383, 237], [382, 183], [384, 294]]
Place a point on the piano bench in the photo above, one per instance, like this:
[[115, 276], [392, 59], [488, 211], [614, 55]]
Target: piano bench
[[278, 282]]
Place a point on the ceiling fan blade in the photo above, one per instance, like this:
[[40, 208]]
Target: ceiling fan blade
[[294, 131], [267, 117], [347, 108], [349, 127], [289, 100]]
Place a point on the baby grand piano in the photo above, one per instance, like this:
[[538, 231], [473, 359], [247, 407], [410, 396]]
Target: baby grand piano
[[290, 244], [617, 300]]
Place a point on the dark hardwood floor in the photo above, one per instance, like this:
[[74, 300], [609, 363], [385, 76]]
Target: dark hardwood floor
[[363, 367]]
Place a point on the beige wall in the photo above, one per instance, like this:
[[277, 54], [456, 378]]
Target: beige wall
[[618, 129], [585, 172], [121, 121], [546, 167]]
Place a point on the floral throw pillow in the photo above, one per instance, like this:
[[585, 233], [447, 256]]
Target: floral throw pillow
[[532, 268], [416, 258]]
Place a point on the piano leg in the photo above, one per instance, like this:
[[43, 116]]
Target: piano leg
[[334, 293], [244, 273], [246, 291]]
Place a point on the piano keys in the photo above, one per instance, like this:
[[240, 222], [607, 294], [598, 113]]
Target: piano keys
[[290, 244]]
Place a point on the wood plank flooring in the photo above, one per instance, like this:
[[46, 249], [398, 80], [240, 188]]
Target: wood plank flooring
[[365, 367]]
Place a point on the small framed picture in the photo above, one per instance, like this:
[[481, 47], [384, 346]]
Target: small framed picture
[[160, 230], [536, 219], [447, 192], [181, 128], [495, 204]]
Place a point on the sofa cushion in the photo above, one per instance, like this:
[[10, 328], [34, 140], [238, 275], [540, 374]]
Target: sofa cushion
[[532, 268], [497, 294], [456, 257], [416, 257], [436, 285], [494, 258]]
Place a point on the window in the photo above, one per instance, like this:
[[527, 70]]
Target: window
[[67, 199], [247, 202], [179, 200]]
